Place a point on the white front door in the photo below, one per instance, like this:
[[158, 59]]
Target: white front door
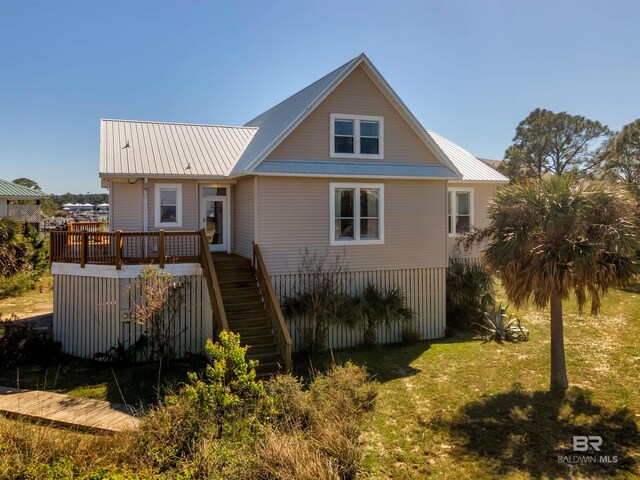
[[214, 218]]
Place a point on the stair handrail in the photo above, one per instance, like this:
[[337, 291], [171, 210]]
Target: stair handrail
[[272, 307], [215, 296]]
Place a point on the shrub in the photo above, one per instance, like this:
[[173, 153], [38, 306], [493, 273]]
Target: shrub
[[470, 292], [161, 300], [498, 327], [379, 307], [22, 344], [320, 298]]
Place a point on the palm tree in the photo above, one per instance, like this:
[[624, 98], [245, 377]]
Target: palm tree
[[554, 238], [381, 307]]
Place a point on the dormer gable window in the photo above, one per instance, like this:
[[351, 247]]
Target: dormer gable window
[[356, 136]]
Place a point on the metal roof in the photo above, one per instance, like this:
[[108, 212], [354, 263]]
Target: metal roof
[[354, 169], [135, 148], [471, 168], [274, 124], [13, 190]]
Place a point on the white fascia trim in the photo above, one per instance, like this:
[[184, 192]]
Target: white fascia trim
[[156, 201], [356, 220], [298, 120], [356, 136], [127, 271], [454, 208]]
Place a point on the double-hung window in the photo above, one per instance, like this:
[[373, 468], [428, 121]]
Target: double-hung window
[[357, 213], [168, 205], [356, 136], [459, 210]]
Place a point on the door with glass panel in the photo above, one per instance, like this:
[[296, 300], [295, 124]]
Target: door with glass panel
[[214, 217]]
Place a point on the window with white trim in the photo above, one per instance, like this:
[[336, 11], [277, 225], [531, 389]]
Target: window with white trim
[[459, 210], [357, 213], [168, 205], [356, 136]]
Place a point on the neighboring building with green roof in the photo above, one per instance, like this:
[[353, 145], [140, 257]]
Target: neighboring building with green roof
[[12, 191]]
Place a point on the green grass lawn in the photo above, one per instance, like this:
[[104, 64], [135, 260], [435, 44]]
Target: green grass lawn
[[457, 408], [135, 385]]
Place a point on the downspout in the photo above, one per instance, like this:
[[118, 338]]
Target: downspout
[[145, 206], [145, 213]]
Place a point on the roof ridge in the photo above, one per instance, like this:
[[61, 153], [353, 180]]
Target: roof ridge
[[354, 59], [177, 123]]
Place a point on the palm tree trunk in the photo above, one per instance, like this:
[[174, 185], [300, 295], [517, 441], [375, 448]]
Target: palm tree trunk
[[558, 366]]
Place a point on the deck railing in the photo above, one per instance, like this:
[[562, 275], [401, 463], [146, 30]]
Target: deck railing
[[272, 307], [209, 270], [125, 248]]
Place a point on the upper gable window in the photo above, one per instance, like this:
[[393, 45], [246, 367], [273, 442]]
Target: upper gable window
[[356, 136]]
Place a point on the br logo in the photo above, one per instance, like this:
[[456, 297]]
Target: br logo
[[581, 443]]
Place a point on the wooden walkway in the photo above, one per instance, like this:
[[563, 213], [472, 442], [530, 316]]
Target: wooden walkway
[[65, 410]]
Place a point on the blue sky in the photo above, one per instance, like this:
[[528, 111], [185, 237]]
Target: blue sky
[[468, 70]]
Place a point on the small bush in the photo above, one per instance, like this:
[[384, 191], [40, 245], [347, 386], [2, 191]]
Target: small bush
[[22, 344], [470, 292], [499, 327]]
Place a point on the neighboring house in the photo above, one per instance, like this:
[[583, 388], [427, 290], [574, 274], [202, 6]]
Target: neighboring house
[[342, 167], [12, 196], [493, 163]]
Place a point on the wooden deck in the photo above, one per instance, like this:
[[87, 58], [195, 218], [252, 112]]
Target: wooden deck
[[65, 410]]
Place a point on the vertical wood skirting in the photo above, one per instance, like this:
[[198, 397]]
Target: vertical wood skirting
[[92, 314], [424, 289]]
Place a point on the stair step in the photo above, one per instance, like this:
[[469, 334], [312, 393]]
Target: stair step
[[261, 349], [257, 340], [267, 368], [246, 315], [246, 299], [244, 307], [229, 292], [225, 280], [266, 357], [231, 269], [254, 330], [258, 320]]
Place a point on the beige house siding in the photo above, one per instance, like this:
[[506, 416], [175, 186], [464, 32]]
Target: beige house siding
[[482, 195], [3, 207], [126, 206], [190, 200], [293, 213], [356, 95], [243, 220]]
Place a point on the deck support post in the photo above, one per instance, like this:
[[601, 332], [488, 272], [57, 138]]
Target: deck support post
[[118, 259], [161, 256], [83, 248]]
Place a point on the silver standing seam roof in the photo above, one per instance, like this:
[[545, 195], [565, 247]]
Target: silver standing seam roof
[[14, 191], [134, 148], [471, 168], [156, 149]]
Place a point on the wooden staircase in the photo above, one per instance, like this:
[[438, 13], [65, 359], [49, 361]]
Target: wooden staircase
[[246, 312]]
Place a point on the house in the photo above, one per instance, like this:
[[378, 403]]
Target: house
[[12, 203], [342, 166]]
